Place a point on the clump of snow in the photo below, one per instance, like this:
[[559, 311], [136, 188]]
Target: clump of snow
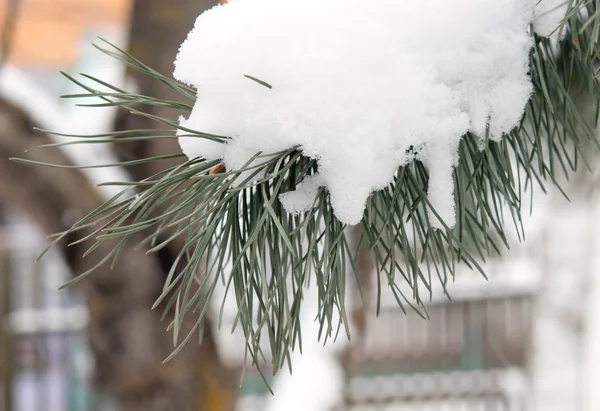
[[303, 197], [549, 15], [360, 86]]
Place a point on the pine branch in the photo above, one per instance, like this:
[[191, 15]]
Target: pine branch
[[236, 231]]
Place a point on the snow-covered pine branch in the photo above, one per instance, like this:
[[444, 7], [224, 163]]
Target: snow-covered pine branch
[[424, 122], [363, 89]]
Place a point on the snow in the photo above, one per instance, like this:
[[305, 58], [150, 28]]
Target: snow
[[303, 197], [548, 17], [363, 87]]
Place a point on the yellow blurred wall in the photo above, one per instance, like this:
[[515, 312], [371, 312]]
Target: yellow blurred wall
[[47, 33]]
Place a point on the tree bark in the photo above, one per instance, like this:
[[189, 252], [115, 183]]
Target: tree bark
[[128, 339], [157, 30]]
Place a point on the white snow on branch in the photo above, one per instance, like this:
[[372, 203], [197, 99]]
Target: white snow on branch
[[549, 15], [359, 86]]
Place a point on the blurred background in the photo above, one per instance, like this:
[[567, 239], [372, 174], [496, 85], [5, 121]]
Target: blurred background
[[527, 339]]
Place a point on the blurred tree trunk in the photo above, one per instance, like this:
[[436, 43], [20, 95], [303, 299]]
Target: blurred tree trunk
[[157, 30], [128, 339]]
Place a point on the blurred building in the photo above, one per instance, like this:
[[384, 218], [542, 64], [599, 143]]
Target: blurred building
[[514, 343], [47, 34], [472, 354], [45, 364]]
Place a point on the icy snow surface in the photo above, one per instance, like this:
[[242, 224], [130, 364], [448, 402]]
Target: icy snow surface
[[357, 85]]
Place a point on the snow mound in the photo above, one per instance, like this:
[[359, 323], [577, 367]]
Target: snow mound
[[360, 86], [548, 17]]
